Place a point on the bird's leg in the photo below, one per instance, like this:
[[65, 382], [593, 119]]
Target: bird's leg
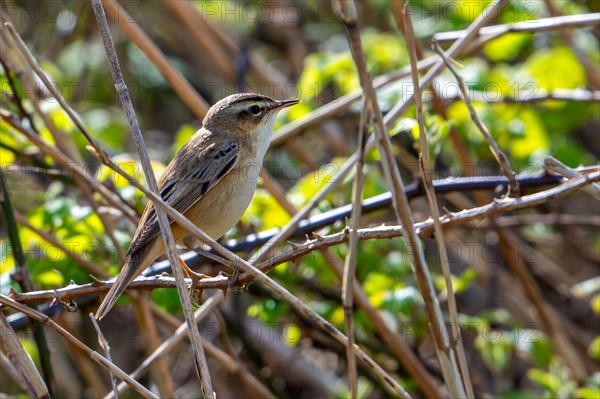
[[194, 293], [214, 257]]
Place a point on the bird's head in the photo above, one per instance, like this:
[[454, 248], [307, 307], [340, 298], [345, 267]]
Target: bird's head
[[247, 113]]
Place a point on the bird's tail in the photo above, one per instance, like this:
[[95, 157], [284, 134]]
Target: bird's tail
[[132, 267]]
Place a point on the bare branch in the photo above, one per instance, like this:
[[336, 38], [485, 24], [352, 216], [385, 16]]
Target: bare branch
[[539, 25], [426, 172], [513, 187], [95, 356], [165, 227]]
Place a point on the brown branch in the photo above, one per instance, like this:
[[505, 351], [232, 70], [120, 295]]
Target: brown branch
[[501, 158], [21, 360], [165, 227], [169, 344], [539, 25], [548, 317], [159, 372], [106, 348], [427, 173], [554, 165], [93, 355], [72, 291], [590, 67], [186, 13], [496, 207], [527, 97], [348, 279], [176, 80]]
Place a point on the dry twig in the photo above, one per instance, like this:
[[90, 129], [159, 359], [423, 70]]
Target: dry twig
[[93, 355], [501, 158], [427, 173], [167, 234]]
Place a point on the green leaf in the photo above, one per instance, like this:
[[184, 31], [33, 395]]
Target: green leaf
[[556, 68], [546, 380], [506, 47], [536, 344], [402, 300], [587, 393], [595, 303], [265, 212], [496, 349], [376, 286], [51, 278], [292, 334], [594, 349], [184, 135]]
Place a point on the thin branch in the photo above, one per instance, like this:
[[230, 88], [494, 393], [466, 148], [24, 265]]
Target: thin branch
[[590, 67], [348, 279], [186, 14], [426, 172], [491, 97], [501, 158], [498, 206], [539, 25], [159, 372], [165, 227], [347, 14], [21, 360], [22, 277], [460, 46], [176, 80], [106, 347], [95, 356], [76, 257], [547, 315], [17, 100], [72, 291], [554, 165], [169, 344]]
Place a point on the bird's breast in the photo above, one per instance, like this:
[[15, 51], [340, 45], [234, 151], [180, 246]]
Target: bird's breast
[[223, 206]]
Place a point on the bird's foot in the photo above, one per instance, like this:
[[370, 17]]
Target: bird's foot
[[195, 293]]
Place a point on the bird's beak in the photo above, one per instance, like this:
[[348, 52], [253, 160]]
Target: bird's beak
[[284, 104]]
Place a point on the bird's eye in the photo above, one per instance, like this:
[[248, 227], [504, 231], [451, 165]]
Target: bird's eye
[[255, 110]]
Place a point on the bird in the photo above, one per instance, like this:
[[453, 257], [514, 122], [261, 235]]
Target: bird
[[211, 181]]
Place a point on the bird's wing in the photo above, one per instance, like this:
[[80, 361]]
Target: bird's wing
[[185, 189]]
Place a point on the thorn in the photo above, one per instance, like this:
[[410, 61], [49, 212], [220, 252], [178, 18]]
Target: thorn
[[447, 211], [293, 245], [72, 282], [307, 238], [70, 307], [317, 236], [95, 281]]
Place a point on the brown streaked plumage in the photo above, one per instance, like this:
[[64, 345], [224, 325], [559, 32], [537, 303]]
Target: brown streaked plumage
[[211, 180]]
